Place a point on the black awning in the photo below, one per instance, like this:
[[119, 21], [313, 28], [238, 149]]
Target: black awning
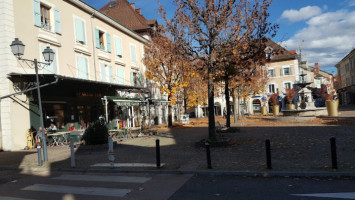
[[69, 86]]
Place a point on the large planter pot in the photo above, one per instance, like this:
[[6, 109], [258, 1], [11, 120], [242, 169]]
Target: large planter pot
[[263, 110], [332, 107], [291, 106], [275, 110]]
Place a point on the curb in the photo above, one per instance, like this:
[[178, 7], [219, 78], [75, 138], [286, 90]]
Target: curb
[[334, 174]]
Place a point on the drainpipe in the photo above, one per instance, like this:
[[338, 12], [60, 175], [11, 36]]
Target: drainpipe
[[93, 44]]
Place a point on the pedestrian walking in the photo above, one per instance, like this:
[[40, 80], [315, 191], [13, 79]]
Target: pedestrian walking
[[224, 112]]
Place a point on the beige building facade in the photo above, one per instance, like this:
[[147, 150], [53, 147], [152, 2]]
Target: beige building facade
[[346, 72], [94, 57]]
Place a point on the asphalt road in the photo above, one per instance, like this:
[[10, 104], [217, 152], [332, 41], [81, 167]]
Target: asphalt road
[[263, 188]]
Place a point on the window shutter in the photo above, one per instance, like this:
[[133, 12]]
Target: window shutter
[[37, 13], [120, 75], [139, 79], [132, 79], [133, 54], [103, 72], [281, 72], [97, 38], [57, 23], [79, 30], [110, 71], [108, 41], [82, 67], [118, 46], [290, 71]]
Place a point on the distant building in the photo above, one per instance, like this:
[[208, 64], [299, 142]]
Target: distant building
[[346, 71]]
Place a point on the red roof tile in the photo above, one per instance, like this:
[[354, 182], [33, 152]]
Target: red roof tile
[[122, 12]]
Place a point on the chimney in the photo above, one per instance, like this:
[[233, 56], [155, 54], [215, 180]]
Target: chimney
[[133, 6], [316, 67], [139, 11], [293, 51]]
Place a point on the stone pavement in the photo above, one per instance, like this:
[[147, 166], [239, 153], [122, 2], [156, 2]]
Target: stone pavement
[[298, 146]]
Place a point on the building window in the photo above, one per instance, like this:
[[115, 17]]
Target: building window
[[120, 75], [287, 86], [271, 88], [271, 73], [285, 71], [136, 79], [118, 46], [45, 17], [102, 40], [80, 31], [83, 68], [133, 53]]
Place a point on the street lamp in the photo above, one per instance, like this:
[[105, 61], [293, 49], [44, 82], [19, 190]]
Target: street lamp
[[18, 49]]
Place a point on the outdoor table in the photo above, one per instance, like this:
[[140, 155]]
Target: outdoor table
[[59, 137]]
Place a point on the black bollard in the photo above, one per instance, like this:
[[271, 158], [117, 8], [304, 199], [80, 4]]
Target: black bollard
[[333, 149], [157, 151], [39, 155], [268, 154], [208, 153]]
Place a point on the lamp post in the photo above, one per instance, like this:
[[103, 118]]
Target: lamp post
[[18, 49]]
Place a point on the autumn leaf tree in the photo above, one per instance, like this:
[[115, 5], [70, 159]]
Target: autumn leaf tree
[[200, 25], [165, 66]]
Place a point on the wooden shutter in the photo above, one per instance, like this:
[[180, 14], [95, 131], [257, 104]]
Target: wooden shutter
[[110, 71], [133, 54], [118, 46], [132, 79], [57, 23], [97, 38], [120, 75], [103, 72], [37, 13], [80, 31], [108, 42]]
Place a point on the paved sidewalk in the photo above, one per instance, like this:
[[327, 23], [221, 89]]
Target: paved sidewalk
[[298, 147]]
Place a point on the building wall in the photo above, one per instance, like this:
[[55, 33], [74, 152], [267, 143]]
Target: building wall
[[346, 71], [19, 22]]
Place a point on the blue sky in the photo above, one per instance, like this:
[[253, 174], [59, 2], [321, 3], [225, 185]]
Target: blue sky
[[324, 30]]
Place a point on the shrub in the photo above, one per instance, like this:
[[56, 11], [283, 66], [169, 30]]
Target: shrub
[[289, 95], [97, 133], [274, 99]]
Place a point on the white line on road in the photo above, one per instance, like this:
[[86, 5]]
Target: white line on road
[[343, 195], [78, 190], [115, 179]]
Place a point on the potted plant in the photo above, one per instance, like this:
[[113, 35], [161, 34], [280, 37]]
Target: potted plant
[[263, 107], [275, 103], [329, 94], [290, 93]]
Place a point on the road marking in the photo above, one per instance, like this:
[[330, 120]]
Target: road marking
[[343, 195], [12, 198], [127, 165], [78, 190], [115, 179]]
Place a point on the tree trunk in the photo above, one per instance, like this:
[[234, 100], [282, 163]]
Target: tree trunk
[[226, 94], [185, 101], [234, 105], [238, 104], [211, 119], [170, 115]]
